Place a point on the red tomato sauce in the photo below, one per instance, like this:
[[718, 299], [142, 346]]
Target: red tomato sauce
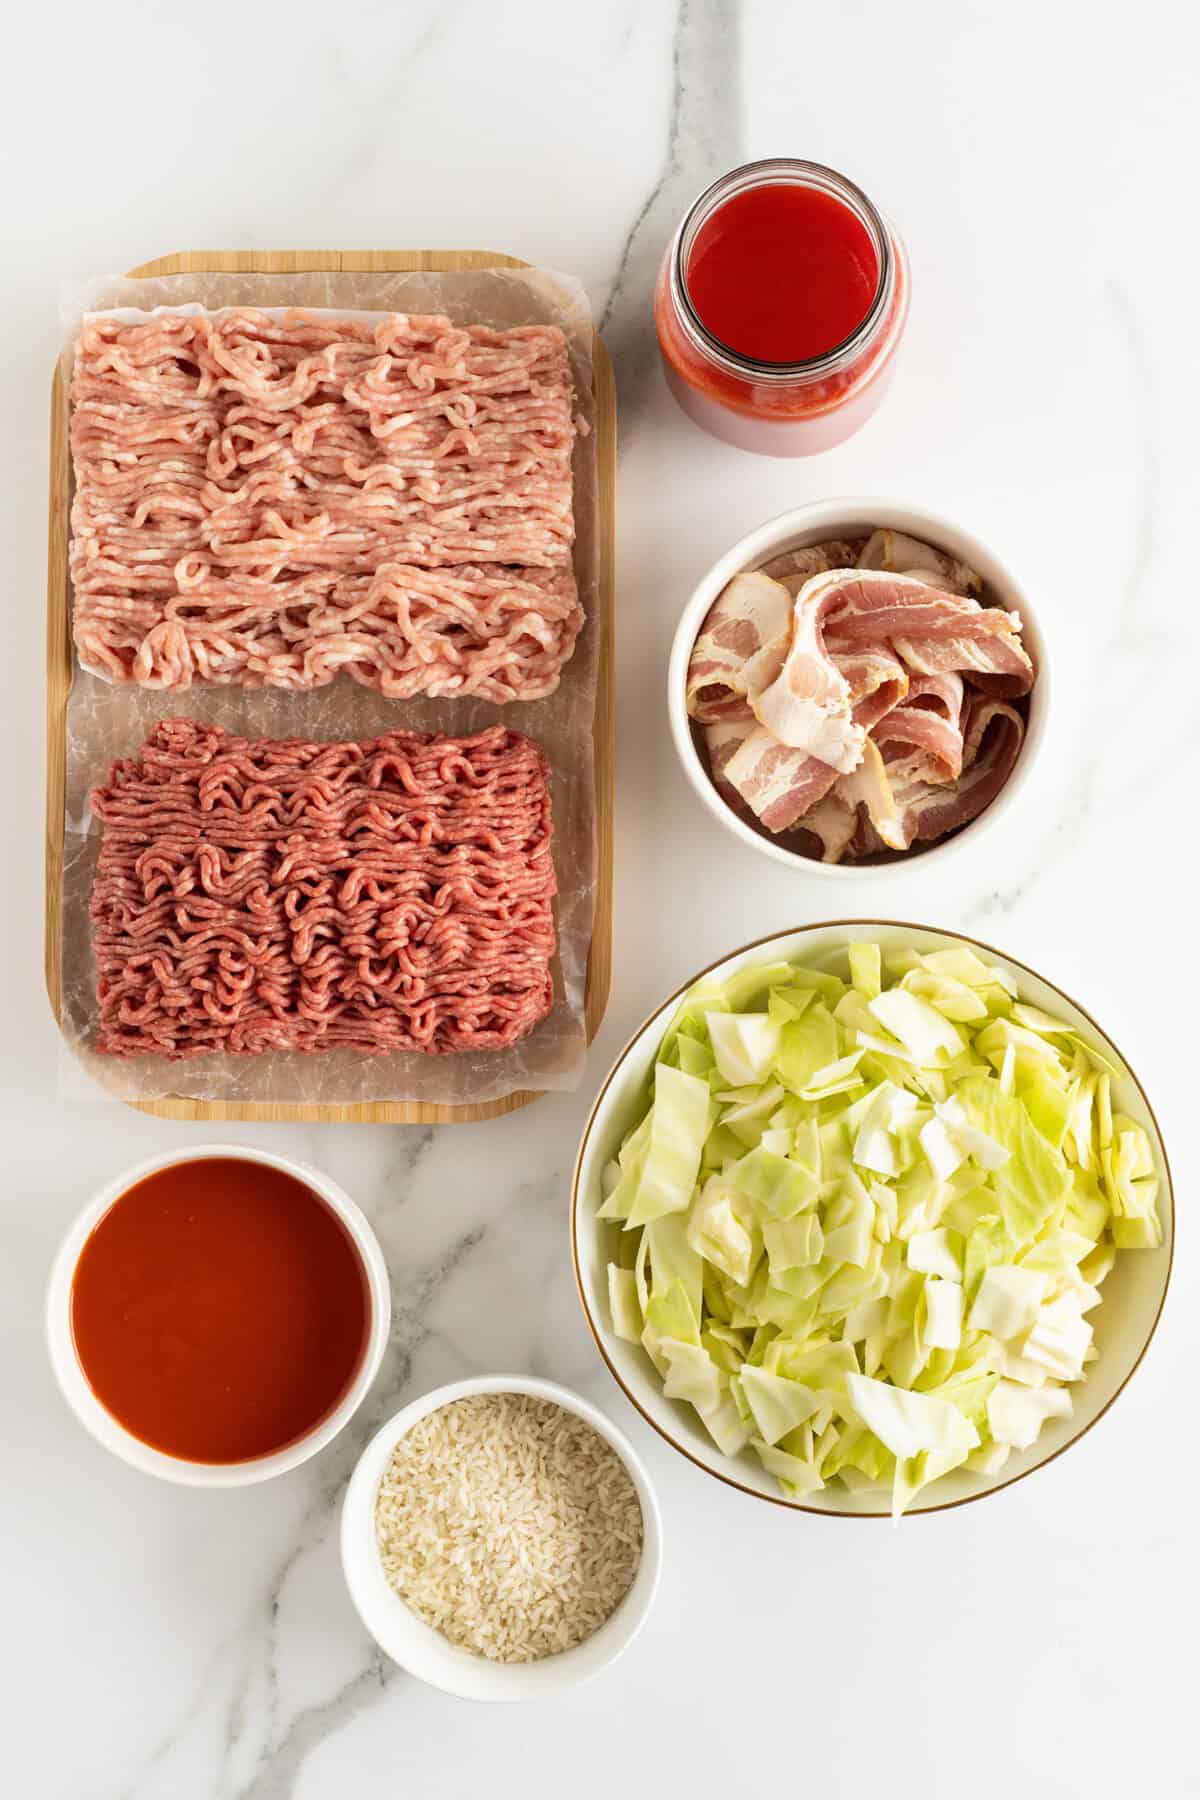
[[782, 273], [219, 1310]]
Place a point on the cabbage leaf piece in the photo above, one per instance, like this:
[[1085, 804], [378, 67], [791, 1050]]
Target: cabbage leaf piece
[[795, 1476], [807, 1045], [679, 1123], [1132, 1185], [1016, 1414], [778, 1404], [726, 1427], [722, 1228], [1008, 1299], [623, 1306], [621, 1177], [744, 1045], [943, 1314], [937, 1252], [929, 1037], [691, 1375], [1034, 1180], [907, 1423], [793, 1243], [776, 1187], [866, 969]]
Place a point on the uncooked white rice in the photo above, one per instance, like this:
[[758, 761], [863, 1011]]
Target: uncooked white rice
[[509, 1525]]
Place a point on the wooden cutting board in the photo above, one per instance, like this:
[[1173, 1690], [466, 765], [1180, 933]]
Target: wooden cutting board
[[59, 664]]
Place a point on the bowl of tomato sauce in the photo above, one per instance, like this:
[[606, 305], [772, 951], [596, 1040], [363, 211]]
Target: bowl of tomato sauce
[[780, 306], [215, 1316]]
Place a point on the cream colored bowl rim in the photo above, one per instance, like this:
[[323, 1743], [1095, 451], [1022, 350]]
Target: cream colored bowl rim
[[772, 537], [106, 1429], [763, 943]]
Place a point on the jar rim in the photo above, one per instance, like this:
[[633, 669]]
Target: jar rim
[[802, 173]]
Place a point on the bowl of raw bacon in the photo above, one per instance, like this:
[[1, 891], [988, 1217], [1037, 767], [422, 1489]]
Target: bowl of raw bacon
[[855, 684]]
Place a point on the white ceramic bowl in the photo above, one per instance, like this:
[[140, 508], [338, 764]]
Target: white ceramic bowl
[[101, 1423], [854, 518], [1133, 1293], [424, 1652]]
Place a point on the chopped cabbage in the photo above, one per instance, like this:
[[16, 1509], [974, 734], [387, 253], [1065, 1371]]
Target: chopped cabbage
[[1008, 1300], [795, 1476], [731, 1241], [1017, 1413], [863, 1224], [908, 1423], [726, 1427], [943, 1314], [793, 1243], [866, 969], [744, 1045], [778, 1404], [928, 1036], [670, 1157], [623, 1304], [691, 1375], [1059, 1338], [936, 1252]]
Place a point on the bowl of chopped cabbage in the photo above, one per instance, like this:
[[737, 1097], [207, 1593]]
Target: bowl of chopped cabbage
[[870, 1218]]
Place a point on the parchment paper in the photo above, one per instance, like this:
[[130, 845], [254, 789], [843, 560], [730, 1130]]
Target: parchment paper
[[105, 721]]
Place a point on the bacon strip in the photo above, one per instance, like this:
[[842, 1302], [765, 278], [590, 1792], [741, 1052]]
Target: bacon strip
[[933, 631], [877, 679], [809, 705], [999, 667], [832, 822], [741, 646], [930, 725], [868, 790], [722, 742], [992, 741], [744, 637], [794, 567], [778, 784], [752, 771], [903, 555]]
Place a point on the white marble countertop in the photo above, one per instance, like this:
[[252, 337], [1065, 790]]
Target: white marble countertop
[[163, 1644]]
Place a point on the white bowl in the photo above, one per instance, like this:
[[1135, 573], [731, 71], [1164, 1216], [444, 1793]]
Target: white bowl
[[422, 1650], [1133, 1293], [810, 525], [101, 1423]]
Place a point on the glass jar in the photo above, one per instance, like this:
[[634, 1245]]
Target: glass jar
[[781, 408]]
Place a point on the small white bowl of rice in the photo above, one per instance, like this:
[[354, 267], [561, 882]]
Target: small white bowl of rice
[[500, 1539]]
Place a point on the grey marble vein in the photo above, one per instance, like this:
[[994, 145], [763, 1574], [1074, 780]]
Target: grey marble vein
[[276, 1778], [704, 134]]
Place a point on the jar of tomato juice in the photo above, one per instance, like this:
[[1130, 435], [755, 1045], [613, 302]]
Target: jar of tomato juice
[[779, 308]]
